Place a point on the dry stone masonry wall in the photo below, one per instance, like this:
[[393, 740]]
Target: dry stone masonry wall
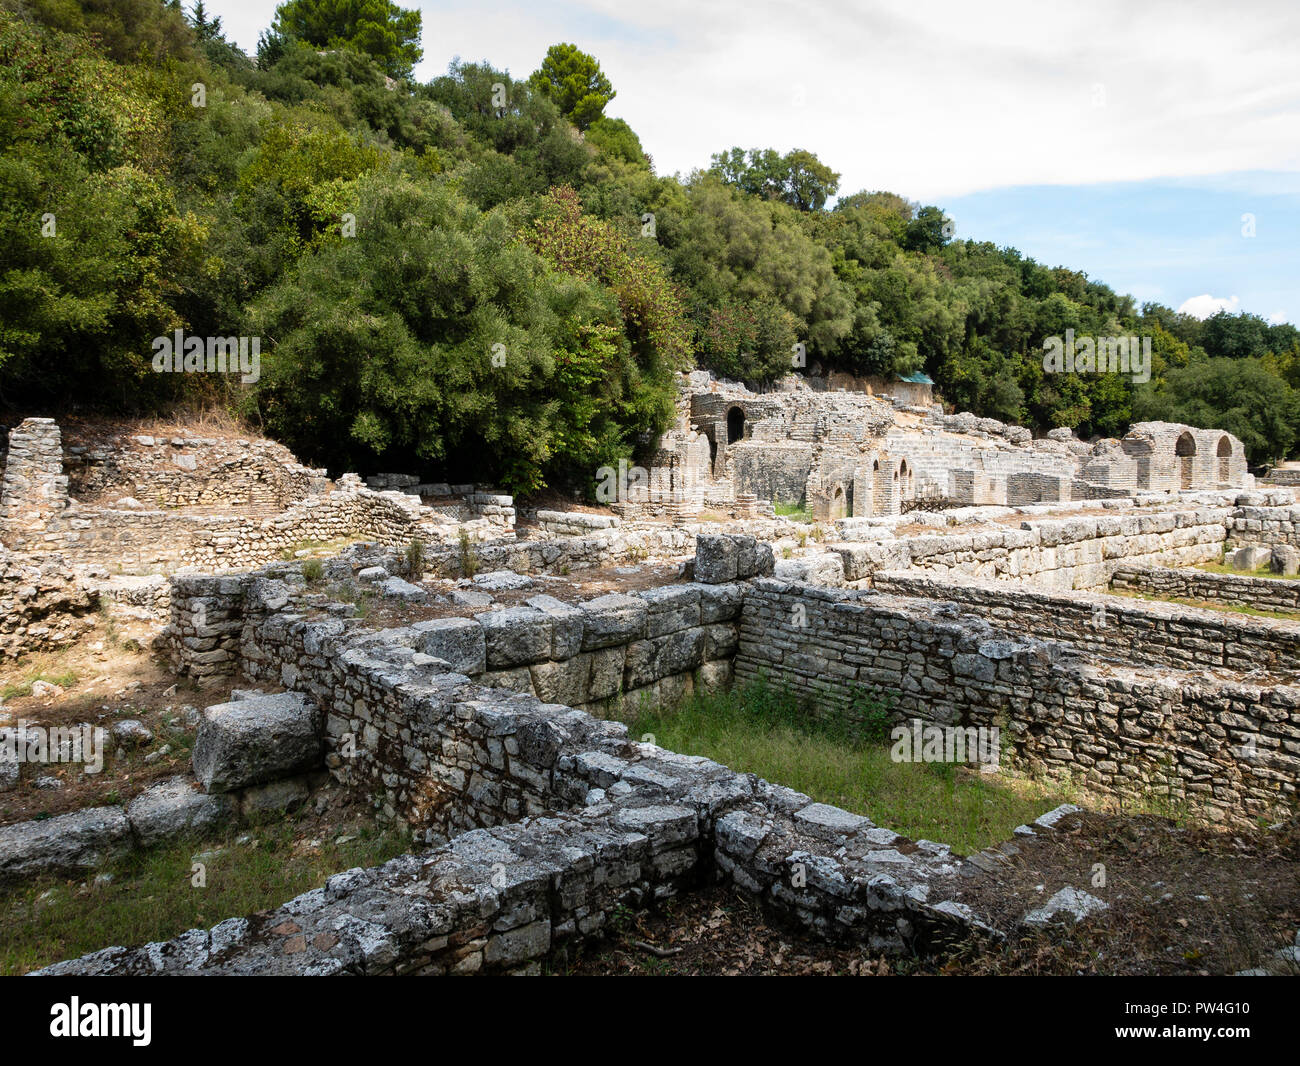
[[1238, 590], [1226, 749]]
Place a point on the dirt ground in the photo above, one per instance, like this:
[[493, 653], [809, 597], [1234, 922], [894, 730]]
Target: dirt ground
[[107, 676], [1182, 901]]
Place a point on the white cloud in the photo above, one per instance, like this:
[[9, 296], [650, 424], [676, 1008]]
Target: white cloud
[[1277, 318], [1205, 305], [928, 98]]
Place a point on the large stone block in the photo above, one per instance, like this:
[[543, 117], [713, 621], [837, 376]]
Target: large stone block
[[457, 641], [567, 624], [69, 844], [257, 740], [613, 619], [671, 607], [516, 636], [174, 808], [717, 559]]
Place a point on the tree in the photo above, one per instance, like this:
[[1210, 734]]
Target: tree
[[928, 231], [379, 28], [574, 80], [798, 178], [1239, 395], [615, 137]]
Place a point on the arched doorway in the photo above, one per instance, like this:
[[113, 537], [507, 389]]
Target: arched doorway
[[1185, 451], [1224, 451], [839, 507], [735, 425]]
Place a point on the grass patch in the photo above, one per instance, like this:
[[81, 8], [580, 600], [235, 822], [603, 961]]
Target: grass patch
[[1263, 571], [796, 512], [1209, 605], [66, 679], [151, 896], [845, 761]]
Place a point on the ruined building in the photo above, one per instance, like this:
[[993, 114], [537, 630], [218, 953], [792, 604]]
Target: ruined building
[[850, 454]]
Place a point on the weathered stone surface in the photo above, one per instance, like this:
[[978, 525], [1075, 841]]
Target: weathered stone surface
[[671, 608], [174, 808], [68, 844], [717, 559], [400, 589], [131, 733], [1285, 560], [516, 636], [613, 619], [459, 642], [253, 741], [1250, 558], [567, 625], [502, 580], [1070, 904]]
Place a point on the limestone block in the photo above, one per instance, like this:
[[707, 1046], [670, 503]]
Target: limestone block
[[253, 741]]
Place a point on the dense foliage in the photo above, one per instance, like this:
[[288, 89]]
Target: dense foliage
[[484, 277]]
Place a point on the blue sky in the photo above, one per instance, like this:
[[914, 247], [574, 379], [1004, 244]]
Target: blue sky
[[1163, 240], [1125, 140]]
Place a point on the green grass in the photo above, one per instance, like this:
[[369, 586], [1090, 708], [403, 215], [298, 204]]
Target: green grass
[[1210, 605], [151, 897], [24, 688], [845, 761], [796, 512], [1263, 571]]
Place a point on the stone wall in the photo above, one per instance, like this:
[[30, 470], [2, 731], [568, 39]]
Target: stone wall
[[209, 503], [1116, 629], [1238, 590], [34, 489], [43, 604], [655, 646], [1264, 525], [574, 523], [1229, 751], [190, 471], [1069, 553]]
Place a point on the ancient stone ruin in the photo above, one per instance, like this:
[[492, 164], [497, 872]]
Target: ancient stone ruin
[[958, 568]]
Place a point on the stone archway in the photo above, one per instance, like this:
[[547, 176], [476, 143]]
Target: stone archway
[[735, 425], [1185, 451], [1224, 455], [839, 504]]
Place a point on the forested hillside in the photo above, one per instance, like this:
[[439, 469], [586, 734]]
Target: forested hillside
[[483, 277]]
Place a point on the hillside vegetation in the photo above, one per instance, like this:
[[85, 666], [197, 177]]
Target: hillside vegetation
[[484, 277]]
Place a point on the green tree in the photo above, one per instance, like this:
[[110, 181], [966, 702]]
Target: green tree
[[1236, 394], [574, 80], [379, 28], [798, 178]]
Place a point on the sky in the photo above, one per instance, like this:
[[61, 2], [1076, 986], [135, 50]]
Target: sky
[[1154, 145]]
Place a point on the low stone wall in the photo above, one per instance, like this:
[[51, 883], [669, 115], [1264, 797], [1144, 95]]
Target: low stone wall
[[134, 596], [1116, 629], [43, 604], [574, 523], [1237, 590], [1264, 525], [73, 844], [1229, 751], [610, 547], [655, 646], [1068, 553], [189, 470]]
